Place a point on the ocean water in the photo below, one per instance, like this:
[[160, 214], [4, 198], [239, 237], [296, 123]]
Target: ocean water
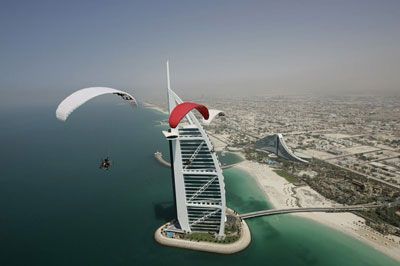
[[227, 158], [58, 208]]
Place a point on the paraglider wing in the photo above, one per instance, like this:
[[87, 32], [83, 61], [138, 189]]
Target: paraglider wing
[[76, 99], [181, 110], [213, 114]]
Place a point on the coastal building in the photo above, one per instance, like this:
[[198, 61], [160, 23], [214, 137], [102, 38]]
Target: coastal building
[[276, 144], [198, 183]]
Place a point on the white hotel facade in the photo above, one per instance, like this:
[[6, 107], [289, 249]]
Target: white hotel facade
[[199, 187]]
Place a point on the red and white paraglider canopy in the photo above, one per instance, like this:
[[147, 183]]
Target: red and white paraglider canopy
[[181, 110]]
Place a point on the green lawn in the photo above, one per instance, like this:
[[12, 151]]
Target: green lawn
[[196, 236]]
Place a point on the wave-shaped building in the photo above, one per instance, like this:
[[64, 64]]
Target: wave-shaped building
[[276, 144], [198, 182]]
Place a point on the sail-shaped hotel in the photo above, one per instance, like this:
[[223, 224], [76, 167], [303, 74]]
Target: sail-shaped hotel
[[198, 182]]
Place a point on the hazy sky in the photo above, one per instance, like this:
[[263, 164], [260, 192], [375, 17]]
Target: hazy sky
[[51, 48]]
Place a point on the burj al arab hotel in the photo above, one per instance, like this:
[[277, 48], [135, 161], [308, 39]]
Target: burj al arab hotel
[[198, 182]]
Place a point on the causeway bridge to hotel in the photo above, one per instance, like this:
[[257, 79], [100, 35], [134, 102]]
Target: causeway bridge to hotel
[[363, 207]]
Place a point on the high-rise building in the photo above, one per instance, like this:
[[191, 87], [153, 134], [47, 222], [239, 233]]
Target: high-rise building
[[198, 183]]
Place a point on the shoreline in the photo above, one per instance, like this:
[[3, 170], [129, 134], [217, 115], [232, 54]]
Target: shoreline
[[282, 194], [155, 108], [241, 244]]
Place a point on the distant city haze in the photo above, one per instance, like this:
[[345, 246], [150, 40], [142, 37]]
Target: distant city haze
[[235, 48]]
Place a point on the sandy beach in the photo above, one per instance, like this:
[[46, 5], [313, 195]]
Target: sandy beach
[[282, 194]]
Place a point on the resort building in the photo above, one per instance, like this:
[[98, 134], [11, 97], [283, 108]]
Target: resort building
[[199, 188], [276, 144]]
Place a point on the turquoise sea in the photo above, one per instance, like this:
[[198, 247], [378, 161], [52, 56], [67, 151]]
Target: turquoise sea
[[58, 208]]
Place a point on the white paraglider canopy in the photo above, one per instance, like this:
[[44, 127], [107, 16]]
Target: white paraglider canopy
[[212, 114], [76, 99]]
